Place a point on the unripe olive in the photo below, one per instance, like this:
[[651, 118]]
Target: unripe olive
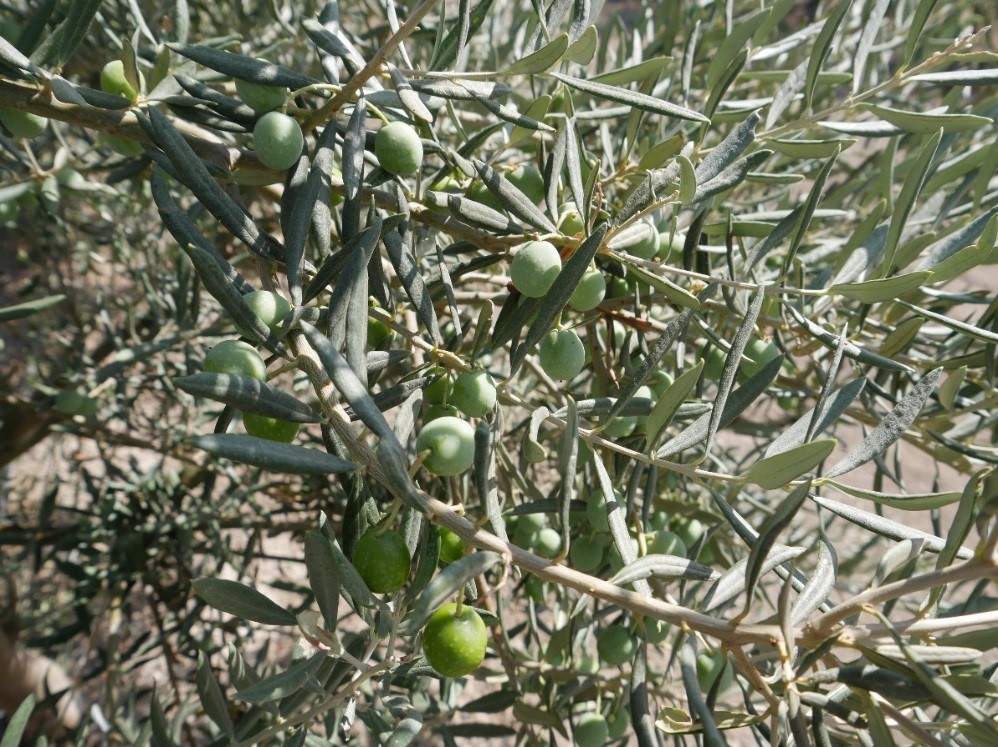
[[570, 221], [474, 393], [269, 306], [615, 645], [454, 643], [689, 531], [658, 519], [528, 180], [714, 365], [562, 354], [399, 149], [22, 124], [590, 291], [616, 561], [277, 140], [440, 411], [587, 664], [382, 560], [438, 391], [648, 246], [591, 730], [259, 96], [596, 513], [451, 445], [528, 529], [378, 332], [757, 354], [535, 589], [548, 542], [586, 555], [534, 268], [659, 381], [670, 245], [71, 402], [451, 546], [709, 666], [123, 146], [666, 543], [481, 193], [235, 357], [617, 723], [335, 198], [113, 80], [272, 429], [656, 631]]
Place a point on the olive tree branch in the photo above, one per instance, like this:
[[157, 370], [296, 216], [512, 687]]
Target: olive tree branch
[[822, 626], [352, 86]]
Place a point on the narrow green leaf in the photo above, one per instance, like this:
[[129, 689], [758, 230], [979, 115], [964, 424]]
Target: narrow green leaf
[[75, 28], [905, 502], [668, 404], [18, 722], [906, 199], [583, 48], [543, 59], [741, 32], [243, 67], [891, 428], [28, 308], [687, 180], [922, 12], [885, 289], [850, 350], [779, 469], [732, 582], [924, 123], [821, 46], [771, 528], [982, 77], [241, 601], [633, 73], [212, 699], [886, 527], [249, 395], [630, 98], [819, 585], [663, 567], [810, 423], [271, 455], [323, 575], [447, 583], [283, 684]]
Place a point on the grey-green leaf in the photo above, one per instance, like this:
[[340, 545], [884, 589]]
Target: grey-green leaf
[[271, 455], [249, 395], [891, 428], [242, 601]]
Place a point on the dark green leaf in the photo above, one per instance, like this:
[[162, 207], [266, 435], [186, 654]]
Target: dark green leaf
[[241, 601]]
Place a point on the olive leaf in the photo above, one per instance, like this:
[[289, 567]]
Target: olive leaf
[[241, 601]]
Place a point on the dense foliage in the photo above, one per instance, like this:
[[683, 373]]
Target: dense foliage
[[422, 372]]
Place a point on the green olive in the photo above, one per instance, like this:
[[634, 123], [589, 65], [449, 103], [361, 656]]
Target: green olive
[[235, 357], [22, 124], [261, 97], [272, 429], [450, 442], [278, 140], [562, 354], [590, 291], [451, 546], [474, 393], [399, 149], [269, 306], [591, 730], [528, 180], [455, 643], [534, 268], [382, 560], [616, 645], [113, 80]]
